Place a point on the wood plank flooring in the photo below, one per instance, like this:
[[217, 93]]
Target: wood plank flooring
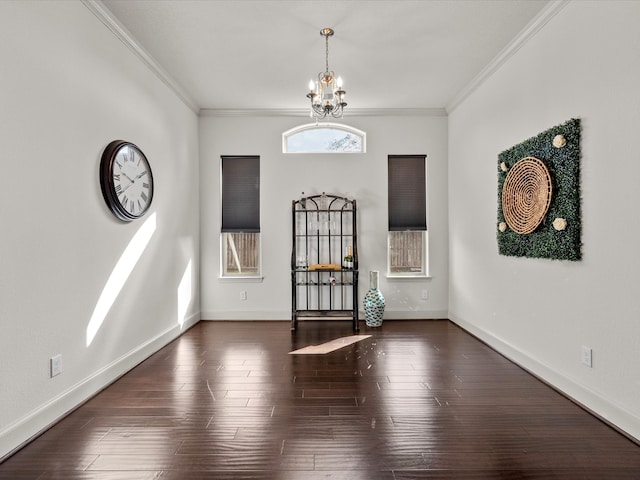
[[416, 400]]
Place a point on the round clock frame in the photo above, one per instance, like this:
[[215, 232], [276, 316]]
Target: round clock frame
[[126, 180]]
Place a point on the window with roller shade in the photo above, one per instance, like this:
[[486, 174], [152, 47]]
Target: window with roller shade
[[407, 233], [240, 216]]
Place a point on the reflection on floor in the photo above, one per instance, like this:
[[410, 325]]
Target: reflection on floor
[[415, 400]]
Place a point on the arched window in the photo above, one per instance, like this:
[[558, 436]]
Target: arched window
[[324, 138]]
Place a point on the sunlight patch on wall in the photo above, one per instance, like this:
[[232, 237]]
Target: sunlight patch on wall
[[185, 289], [119, 276]]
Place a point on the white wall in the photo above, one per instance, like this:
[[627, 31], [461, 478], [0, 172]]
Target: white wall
[[285, 176], [69, 87], [72, 87], [584, 63]]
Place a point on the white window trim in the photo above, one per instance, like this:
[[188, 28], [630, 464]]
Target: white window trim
[[425, 261], [255, 277], [318, 126]]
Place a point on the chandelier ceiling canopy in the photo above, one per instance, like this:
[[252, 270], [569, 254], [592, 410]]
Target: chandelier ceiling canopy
[[326, 93]]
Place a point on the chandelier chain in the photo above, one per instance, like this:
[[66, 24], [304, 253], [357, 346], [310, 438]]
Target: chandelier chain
[[326, 56]]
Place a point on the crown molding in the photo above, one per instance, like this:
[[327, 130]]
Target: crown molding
[[304, 112], [113, 24], [532, 28], [121, 33]]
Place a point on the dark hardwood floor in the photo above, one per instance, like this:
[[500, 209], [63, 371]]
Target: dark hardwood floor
[[416, 400]]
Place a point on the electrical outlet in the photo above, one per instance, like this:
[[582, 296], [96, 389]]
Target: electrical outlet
[[424, 295], [56, 365], [243, 295], [587, 356]]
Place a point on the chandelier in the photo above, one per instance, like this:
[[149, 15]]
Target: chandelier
[[326, 93]]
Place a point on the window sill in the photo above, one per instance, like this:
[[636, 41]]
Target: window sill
[[241, 279], [408, 277]]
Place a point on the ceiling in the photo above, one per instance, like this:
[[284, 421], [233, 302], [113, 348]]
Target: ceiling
[[261, 54]]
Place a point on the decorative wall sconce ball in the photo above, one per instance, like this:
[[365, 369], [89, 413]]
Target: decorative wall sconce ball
[[560, 224], [559, 141]]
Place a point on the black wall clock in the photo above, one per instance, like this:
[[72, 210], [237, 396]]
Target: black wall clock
[[126, 180]]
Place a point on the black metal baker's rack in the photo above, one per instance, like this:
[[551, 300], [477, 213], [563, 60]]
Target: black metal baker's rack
[[323, 234]]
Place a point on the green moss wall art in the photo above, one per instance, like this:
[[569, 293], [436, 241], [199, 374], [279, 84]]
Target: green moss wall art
[[539, 196]]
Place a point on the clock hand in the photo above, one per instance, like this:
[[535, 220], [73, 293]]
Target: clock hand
[[125, 188], [127, 177]]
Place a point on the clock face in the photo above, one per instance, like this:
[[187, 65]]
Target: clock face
[[126, 180]]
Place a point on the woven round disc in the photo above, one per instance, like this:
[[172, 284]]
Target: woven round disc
[[526, 195]]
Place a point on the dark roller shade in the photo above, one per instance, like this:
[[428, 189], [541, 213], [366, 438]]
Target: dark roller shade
[[240, 194], [407, 193]]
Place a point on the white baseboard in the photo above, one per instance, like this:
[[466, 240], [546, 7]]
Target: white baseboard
[[18, 433], [413, 315], [286, 315], [247, 315], [603, 407]]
